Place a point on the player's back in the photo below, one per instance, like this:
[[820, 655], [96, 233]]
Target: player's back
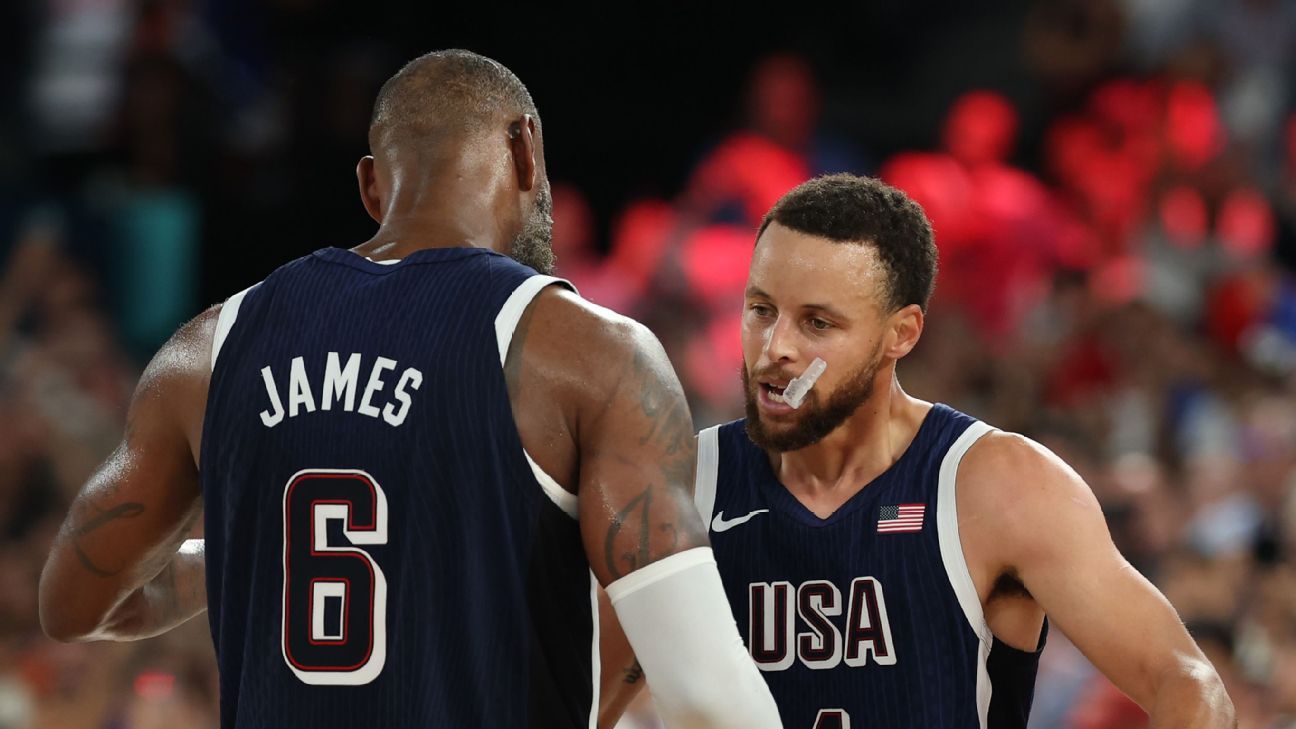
[[380, 550]]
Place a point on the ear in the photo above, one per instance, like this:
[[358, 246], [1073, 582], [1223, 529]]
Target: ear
[[369, 194], [904, 328], [522, 142]]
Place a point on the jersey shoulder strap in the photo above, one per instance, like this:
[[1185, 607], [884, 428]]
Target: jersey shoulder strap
[[708, 470], [506, 321]]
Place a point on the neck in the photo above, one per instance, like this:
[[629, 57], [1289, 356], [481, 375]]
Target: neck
[[457, 206], [860, 449]]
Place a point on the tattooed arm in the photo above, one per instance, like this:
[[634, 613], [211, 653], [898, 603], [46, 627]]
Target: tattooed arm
[[600, 409], [637, 460], [636, 504], [618, 427], [119, 568]]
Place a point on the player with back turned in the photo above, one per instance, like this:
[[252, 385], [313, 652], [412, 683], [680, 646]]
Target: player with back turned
[[416, 459], [891, 562]]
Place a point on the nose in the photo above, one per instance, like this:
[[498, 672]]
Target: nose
[[781, 341]]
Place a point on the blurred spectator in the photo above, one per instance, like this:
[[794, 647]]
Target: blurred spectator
[[76, 79], [153, 218], [1071, 43], [579, 259], [778, 146], [996, 226]]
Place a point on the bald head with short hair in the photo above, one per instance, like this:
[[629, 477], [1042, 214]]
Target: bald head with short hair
[[456, 159], [444, 96]]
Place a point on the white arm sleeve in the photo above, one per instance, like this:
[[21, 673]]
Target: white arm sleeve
[[677, 618]]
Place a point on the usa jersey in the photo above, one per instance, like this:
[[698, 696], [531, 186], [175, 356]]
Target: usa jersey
[[381, 552], [868, 618]]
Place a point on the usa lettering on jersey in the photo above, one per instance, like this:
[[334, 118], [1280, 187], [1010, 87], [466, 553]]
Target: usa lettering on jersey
[[338, 388], [864, 635]]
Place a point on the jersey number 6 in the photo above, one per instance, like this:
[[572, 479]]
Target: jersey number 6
[[832, 719], [334, 593]]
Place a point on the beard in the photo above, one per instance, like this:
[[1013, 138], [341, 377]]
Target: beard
[[533, 246], [815, 419]]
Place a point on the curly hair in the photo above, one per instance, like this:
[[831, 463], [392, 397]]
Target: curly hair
[[866, 211]]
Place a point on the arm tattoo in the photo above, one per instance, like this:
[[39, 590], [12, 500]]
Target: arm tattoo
[[668, 424], [121, 511], [642, 553], [668, 421], [669, 428], [633, 673], [127, 510], [636, 559], [90, 565]]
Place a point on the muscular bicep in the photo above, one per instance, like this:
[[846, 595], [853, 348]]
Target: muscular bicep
[[636, 464], [1056, 542], [644, 538], [134, 511]]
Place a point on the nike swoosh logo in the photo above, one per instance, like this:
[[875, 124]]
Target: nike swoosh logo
[[720, 525]]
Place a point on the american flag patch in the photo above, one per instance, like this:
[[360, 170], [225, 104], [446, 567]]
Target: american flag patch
[[901, 518]]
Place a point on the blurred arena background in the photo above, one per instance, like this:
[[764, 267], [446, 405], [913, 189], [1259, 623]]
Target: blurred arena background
[[1112, 184]]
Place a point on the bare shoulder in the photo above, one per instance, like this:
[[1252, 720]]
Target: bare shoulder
[[187, 354], [1010, 474], [172, 392], [570, 341], [1000, 459], [589, 322]]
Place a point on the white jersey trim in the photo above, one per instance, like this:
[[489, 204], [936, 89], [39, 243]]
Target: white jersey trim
[[225, 322], [984, 690], [708, 468], [505, 325], [561, 497], [956, 568], [511, 313], [596, 667]]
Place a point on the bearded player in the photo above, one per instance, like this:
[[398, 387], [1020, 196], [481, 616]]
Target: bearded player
[[893, 562]]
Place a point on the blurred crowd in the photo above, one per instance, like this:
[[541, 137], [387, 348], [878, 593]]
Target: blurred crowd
[[1117, 249]]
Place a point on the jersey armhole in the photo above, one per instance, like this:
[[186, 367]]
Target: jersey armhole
[[516, 305], [956, 567], [505, 325], [225, 322], [708, 469]]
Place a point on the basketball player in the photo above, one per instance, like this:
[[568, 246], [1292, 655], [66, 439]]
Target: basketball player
[[411, 455], [890, 561]]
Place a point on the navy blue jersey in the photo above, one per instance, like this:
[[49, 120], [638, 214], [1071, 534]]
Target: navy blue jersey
[[381, 552], [868, 618]]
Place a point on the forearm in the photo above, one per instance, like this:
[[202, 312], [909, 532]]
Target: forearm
[[619, 689], [621, 676], [177, 593], [1192, 696]]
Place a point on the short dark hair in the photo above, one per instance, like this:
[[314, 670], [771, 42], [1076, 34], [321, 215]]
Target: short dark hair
[[865, 210], [445, 93]]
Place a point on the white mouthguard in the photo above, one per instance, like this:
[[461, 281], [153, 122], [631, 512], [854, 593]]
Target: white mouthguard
[[799, 387]]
